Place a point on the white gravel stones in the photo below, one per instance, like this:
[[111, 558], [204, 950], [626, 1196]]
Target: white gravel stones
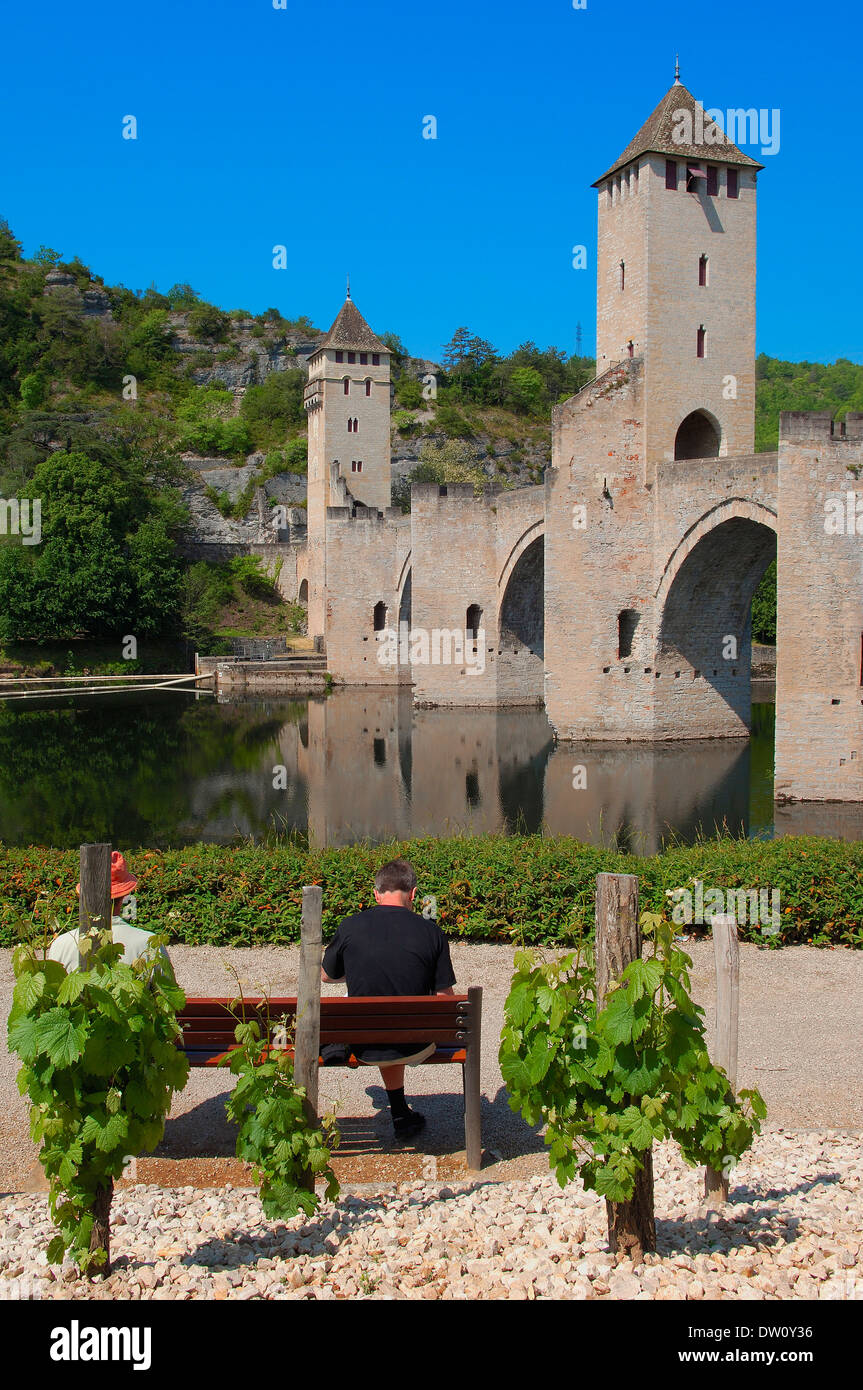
[[792, 1230]]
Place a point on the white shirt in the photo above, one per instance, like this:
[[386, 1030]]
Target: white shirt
[[135, 941]]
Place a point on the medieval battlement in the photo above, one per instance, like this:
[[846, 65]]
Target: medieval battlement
[[819, 425]]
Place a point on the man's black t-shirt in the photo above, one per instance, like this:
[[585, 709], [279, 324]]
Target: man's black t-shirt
[[389, 950]]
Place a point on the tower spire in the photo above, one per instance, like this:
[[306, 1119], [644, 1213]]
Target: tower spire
[[349, 285], [677, 67]]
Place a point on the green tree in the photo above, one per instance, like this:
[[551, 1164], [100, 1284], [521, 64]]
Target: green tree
[[209, 323], [528, 390], [275, 408], [764, 608]]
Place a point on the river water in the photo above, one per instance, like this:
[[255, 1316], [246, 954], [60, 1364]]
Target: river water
[[361, 764]]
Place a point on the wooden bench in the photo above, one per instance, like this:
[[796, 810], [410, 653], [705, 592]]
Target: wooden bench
[[452, 1022]]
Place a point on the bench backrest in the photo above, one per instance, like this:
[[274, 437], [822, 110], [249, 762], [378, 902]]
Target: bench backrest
[[447, 1020]]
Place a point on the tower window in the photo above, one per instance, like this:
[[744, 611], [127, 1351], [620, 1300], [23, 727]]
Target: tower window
[[702, 270], [352, 357], [693, 174], [364, 357], [356, 424], [712, 181], [699, 344], [368, 386], [350, 426], [356, 465], [630, 348], [731, 183], [347, 385], [473, 622], [340, 357], [623, 275], [627, 622], [380, 616], [671, 174], [376, 359]]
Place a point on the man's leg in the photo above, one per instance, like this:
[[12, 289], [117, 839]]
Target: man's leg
[[406, 1122]]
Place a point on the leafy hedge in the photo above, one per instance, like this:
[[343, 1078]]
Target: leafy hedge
[[532, 889]]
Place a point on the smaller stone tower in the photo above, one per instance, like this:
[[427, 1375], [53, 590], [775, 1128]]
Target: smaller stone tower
[[348, 403]]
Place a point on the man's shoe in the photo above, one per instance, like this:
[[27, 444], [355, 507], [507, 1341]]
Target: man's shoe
[[406, 1126]]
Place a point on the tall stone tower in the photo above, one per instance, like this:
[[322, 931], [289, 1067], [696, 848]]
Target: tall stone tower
[[658, 516], [676, 279], [348, 403]]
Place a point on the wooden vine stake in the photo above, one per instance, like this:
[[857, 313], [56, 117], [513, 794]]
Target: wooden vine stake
[[94, 927], [631, 1225], [726, 952], [307, 1042], [94, 899]]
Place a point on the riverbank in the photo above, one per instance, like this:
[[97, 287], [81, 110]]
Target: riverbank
[[507, 888]]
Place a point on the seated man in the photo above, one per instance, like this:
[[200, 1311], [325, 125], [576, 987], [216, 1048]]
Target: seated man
[[388, 949], [135, 941]]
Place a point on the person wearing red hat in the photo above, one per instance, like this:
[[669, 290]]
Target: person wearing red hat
[[135, 941]]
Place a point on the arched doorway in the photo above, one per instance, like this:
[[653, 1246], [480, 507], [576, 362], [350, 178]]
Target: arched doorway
[[704, 651], [521, 629], [699, 437]]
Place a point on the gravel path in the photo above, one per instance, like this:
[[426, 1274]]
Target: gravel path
[[792, 1230], [801, 1016]]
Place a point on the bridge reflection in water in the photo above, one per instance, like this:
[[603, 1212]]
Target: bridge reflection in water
[[363, 764]]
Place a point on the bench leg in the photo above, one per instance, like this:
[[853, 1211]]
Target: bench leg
[[472, 1121]]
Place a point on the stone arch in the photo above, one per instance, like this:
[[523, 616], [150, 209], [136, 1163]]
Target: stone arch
[[533, 532], [703, 620], [404, 590], [521, 624], [303, 595], [699, 436]]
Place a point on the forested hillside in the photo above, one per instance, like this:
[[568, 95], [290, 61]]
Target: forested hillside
[[110, 399]]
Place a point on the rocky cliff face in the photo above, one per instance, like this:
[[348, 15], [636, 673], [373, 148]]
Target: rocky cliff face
[[261, 522], [252, 358], [93, 302]]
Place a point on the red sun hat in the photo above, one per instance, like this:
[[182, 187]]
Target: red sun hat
[[123, 881]]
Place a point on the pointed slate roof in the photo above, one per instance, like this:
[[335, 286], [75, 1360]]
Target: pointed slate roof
[[350, 330], [657, 136]]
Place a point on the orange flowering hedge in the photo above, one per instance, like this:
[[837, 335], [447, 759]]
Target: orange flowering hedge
[[531, 888]]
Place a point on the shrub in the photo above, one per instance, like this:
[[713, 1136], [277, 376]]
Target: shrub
[[100, 1065], [609, 1082], [538, 890]]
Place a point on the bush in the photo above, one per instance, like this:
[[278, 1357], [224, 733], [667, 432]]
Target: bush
[[273, 409], [99, 1064], [209, 323], [452, 423], [409, 392], [405, 423], [533, 889]]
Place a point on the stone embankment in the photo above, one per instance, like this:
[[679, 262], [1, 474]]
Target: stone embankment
[[792, 1230]]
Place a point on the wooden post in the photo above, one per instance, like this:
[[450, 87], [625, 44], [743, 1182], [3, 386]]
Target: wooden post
[[726, 953], [94, 901], [631, 1225], [307, 1042], [472, 1100]]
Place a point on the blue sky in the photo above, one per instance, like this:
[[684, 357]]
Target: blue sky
[[303, 126]]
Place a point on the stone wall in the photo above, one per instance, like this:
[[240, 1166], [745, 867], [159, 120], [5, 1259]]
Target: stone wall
[[819, 637]]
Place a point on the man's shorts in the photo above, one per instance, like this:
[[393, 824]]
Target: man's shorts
[[411, 1061]]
